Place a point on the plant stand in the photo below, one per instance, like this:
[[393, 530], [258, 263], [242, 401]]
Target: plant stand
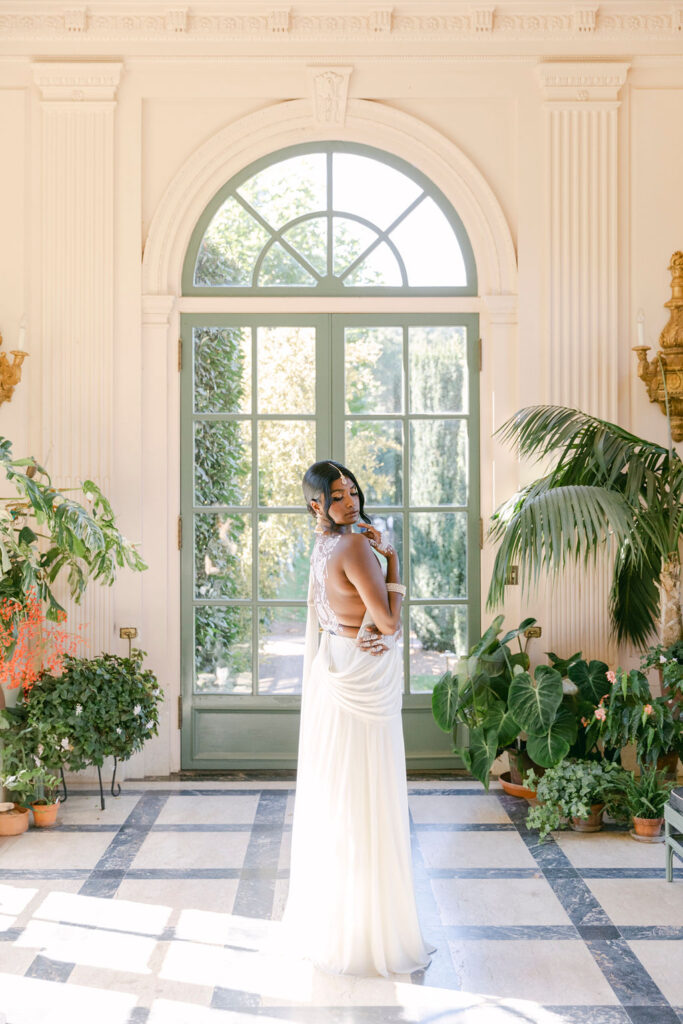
[[673, 820], [115, 788]]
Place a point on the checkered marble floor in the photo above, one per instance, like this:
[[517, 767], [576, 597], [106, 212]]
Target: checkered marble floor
[[158, 911]]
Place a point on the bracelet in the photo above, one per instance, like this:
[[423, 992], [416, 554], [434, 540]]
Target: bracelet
[[398, 588]]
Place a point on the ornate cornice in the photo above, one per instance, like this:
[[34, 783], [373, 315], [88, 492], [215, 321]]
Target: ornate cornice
[[455, 20], [582, 81], [77, 80]]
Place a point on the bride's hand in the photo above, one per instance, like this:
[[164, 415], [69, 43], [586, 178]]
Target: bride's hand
[[376, 539], [373, 644]]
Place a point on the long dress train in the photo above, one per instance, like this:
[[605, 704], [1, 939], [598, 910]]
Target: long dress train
[[351, 904]]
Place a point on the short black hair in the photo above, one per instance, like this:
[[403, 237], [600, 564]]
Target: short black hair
[[318, 480]]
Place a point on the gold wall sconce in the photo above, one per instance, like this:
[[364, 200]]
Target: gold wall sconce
[[10, 373], [663, 375]]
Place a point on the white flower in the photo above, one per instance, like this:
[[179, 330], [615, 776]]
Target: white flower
[[137, 710], [65, 744], [37, 760], [9, 782], [79, 709], [662, 659], [118, 729], [40, 748], [150, 725]]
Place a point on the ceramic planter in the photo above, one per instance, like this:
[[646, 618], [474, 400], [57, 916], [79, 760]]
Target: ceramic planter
[[14, 822], [45, 815], [647, 826], [513, 789], [593, 823]]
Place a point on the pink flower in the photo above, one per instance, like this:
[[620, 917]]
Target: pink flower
[[647, 710], [584, 722], [600, 714], [611, 678]]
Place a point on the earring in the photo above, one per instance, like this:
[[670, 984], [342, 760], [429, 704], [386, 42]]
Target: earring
[[319, 528]]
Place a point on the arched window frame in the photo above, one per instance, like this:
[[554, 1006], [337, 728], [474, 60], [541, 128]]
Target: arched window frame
[[327, 287]]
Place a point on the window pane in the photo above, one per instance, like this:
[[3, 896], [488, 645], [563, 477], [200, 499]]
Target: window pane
[[286, 369], [438, 554], [222, 650], [222, 369], [222, 462], [370, 189], [281, 649], [351, 239], [286, 448], [374, 453], [391, 525], [222, 555], [438, 635], [378, 268], [438, 369], [285, 543], [429, 248], [374, 369], [280, 269], [229, 248], [438, 462], [288, 189], [310, 239]]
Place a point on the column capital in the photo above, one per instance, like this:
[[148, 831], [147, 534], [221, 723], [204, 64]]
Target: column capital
[[578, 82], [77, 81], [501, 309], [157, 309]]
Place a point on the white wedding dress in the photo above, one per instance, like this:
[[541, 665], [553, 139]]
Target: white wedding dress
[[351, 904]]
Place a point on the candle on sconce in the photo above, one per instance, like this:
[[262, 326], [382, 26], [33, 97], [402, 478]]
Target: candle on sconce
[[21, 341], [640, 322]]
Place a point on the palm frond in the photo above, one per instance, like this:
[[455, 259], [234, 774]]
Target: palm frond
[[544, 527], [634, 596]]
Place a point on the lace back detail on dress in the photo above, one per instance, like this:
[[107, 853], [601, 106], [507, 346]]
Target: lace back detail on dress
[[322, 549]]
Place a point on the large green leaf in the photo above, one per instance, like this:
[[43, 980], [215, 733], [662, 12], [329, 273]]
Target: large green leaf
[[534, 703], [445, 701], [481, 753], [508, 730], [591, 679], [550, 747]]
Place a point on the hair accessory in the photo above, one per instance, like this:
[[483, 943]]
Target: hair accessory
[[398, 588], [343, 479]]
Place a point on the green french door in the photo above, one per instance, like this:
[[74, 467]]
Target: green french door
[[395, 398]]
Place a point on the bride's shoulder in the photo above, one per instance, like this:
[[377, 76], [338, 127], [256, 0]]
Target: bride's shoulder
[[354, 545]]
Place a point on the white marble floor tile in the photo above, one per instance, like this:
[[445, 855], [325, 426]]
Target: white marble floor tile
[[165, 1011], [15, 898], [640, 901], [189, 850], [34, 1001], [663, 960], [182, 893], [457, 810], [289, 811], [223, 929], [609, 850], [553, 973], [498, 902], [115, 915], [280, 898], [144, 988], [80, 809], [41, 848], [236, 809], [474, 850], [285, 851], [92, 947]]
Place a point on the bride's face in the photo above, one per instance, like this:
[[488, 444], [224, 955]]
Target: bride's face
[[345, 503]]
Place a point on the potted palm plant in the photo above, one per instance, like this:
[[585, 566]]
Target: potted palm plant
[[606, 489], [641, 800]]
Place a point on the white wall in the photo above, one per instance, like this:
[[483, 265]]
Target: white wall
[[178, 90]]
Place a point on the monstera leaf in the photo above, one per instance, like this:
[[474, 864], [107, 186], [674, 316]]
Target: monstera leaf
[[550, 747], [591, 679], [534, 704]]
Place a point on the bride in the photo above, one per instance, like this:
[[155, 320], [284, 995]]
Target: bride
[[351, 904]]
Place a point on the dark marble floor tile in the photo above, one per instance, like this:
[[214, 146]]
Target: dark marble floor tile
[[139, 1015], [652, 931], [49, 970], [514, 933], [625, 973], [598, 931], [590, 1014], [483, 873], [663, 1014], [578, 901], [10, 934], [123, 848], [256, 889], [234, 999], [627, 872]]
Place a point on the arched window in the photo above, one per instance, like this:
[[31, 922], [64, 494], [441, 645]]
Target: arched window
[[330, 219]]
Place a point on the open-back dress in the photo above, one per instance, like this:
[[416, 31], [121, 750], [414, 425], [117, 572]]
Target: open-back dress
[[351, 904]]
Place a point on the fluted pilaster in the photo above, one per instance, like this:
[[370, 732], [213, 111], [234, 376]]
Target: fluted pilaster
[[76, 238], [582, 353]]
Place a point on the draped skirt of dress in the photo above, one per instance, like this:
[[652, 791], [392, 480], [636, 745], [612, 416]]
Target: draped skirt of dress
[[351, 905]]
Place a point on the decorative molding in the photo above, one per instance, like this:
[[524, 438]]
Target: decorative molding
[[502, 309], [581, 81], [457, 20], [157, 310], [77, 81], [329, 93]]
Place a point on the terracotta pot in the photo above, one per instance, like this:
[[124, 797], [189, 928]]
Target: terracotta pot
[[13, 823], [520, 763], [593, 823], [512, 789], [45, 815], [647, 826]]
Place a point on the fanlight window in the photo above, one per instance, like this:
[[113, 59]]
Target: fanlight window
[[330, 219]]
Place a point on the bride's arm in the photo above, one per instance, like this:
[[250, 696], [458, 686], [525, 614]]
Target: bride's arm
[[363, 570]]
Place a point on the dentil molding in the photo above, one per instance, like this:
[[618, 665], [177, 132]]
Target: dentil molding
[[457, 19], [77, 80], [581, 81]]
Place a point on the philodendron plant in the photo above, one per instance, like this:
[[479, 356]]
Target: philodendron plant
[[493, 693]]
